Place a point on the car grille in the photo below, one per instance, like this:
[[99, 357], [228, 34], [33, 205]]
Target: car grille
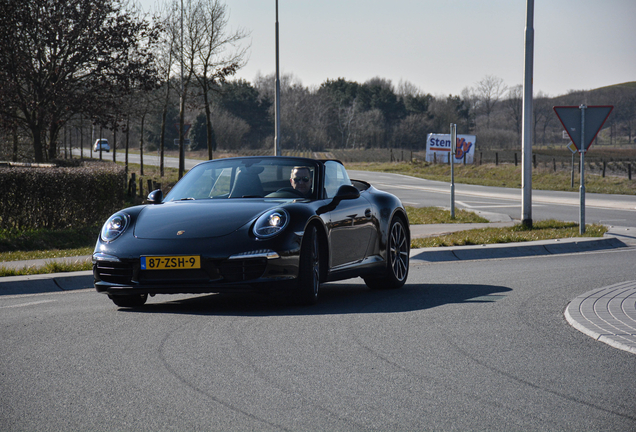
[[168, 276], [115, 272], [236, 270], [239, 270]]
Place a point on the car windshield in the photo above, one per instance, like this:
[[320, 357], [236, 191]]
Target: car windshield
[[270, 177]]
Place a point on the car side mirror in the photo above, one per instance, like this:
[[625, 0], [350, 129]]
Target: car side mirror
[[155, 197], [346, 192]]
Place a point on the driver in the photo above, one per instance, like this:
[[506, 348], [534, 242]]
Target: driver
[[300, 180]]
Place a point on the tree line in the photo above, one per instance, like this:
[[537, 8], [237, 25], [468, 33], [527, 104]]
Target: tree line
[[68, 67]]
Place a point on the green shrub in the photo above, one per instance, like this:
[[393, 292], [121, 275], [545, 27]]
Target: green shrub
[[59, 197]]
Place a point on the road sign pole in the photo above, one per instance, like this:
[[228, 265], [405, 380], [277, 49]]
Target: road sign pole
[[571, 117], [453, 131], [572, 174], [582, 187]]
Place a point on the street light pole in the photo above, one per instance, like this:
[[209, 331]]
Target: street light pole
[[277, 97], [526, 166], [181, 108]]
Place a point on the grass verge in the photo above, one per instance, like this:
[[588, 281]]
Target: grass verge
[[46, 243], [504, 175], [542, 230], [436, 215], [50, 267]]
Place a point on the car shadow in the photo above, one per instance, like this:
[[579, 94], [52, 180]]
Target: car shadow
[[335, 298]]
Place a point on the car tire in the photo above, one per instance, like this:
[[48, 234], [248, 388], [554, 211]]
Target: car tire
[[308, 283], [131, 301], [397, 258]]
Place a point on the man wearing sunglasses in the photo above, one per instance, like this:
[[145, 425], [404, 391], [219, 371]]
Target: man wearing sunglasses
[[301, 180]]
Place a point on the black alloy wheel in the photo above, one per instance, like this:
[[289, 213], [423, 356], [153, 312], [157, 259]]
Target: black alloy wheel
[[397, 255], [309, 271]]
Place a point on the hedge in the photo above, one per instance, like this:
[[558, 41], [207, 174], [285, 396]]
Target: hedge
[[60, 197]]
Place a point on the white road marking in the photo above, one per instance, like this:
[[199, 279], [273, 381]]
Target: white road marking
[[27, 304], [504, 196]]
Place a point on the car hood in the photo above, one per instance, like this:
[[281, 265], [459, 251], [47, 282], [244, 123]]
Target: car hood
[[197, 219]]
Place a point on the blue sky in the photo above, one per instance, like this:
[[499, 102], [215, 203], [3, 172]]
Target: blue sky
[[441, 46]]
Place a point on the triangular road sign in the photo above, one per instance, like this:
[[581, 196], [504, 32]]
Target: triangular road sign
[[570, 117], [186, 128]]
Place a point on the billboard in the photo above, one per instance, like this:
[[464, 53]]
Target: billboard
[[438, 148]]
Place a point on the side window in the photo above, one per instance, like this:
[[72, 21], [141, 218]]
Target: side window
[[335, 176]]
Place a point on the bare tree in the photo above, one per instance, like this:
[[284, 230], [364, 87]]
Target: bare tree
[[489, 91], [218, 57], [229, 129], [342, 98], [543, 115], [208, 53], [407, 88], [165, 64], [184, 26], [514, 105], [411, 132], [58, 58], [471, 104], [624, 100], [345, 121], [368, 129]]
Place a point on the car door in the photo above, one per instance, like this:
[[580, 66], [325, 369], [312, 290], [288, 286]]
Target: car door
[[350, 222]]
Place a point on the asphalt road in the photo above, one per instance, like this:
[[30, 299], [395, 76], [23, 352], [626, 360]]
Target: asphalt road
[[465, 345]]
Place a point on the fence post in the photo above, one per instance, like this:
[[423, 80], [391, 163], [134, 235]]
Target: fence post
[[132, 185], [604, 166], [496, 159], [629, 171]]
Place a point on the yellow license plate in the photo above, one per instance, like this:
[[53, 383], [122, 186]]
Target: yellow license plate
[[170, 262]]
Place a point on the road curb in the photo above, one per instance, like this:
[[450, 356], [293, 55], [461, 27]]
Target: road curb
[[607, 315], [514, 250], [34, 284]]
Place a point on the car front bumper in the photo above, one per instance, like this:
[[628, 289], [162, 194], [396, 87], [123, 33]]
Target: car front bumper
[[237, 264], [236, 273]]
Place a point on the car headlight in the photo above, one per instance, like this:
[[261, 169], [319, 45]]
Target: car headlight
[[114, 226], [271, 223]]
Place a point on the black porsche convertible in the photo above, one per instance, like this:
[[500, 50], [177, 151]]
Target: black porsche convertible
[[254, 223]]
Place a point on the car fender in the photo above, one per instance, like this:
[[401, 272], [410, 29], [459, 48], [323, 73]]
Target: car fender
[[387, 207], [302, 216]]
